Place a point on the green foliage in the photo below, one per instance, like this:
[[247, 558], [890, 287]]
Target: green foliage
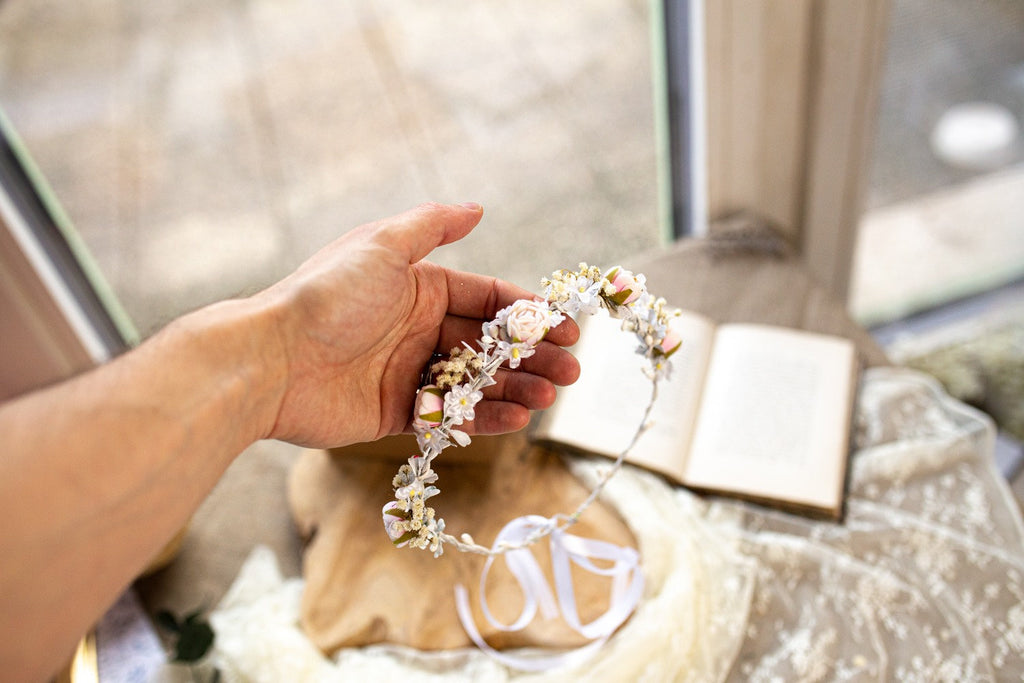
[[193, 637]]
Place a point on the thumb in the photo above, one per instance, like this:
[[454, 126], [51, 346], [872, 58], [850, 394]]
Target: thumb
[[419, 231]]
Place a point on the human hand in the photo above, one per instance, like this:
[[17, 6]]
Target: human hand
[[357, 323]]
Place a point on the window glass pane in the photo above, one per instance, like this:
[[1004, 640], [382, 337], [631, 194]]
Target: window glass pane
[[203, 149], [945, 212]]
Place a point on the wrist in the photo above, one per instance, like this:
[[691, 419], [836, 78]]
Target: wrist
[[241, 351]]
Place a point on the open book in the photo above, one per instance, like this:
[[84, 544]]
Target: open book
[[753, 411]]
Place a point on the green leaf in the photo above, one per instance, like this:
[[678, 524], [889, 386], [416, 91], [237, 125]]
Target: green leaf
[[407, 536], [195, 641], [167, 621], [619, 298], [193, 634]]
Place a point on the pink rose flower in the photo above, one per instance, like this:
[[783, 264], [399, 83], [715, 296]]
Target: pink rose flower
[[670, 344], [429, 408], [392, 516], [528, 321], [628, 287]]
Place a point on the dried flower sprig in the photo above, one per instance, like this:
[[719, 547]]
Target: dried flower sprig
[[458, 383]]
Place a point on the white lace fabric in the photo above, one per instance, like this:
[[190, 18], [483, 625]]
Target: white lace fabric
[[924, 580]]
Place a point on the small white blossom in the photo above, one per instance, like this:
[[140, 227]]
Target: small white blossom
[[661, 368], [432, 441], [515, 353], [410, 491], [416, 491], [460, 402], [584, 295]]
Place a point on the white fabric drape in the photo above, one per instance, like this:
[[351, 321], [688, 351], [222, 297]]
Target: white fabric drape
[[924, 580]]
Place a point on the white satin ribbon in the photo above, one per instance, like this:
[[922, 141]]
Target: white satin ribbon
[[566, 549]]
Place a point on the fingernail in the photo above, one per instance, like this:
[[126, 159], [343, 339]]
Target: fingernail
[[472, 206]]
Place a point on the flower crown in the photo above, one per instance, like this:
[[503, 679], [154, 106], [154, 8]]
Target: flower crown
[[449, 400]]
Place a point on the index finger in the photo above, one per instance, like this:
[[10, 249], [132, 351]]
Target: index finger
[[481, 296]]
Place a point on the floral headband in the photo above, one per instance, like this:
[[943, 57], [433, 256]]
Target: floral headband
[[448, 401]]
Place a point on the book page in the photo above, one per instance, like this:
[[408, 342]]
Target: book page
[[775, 417], [600, 413]]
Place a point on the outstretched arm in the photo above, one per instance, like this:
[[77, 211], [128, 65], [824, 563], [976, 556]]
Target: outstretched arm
[[99, 472]]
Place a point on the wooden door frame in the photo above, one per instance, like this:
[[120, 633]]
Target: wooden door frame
[[788, 111]]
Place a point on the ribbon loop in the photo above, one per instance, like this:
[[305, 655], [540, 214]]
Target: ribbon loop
[[566, 549]]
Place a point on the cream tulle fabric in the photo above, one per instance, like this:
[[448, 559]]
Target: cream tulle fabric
[[923, 582]]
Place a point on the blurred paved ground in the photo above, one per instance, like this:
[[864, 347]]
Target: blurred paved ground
[[205, 148]]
